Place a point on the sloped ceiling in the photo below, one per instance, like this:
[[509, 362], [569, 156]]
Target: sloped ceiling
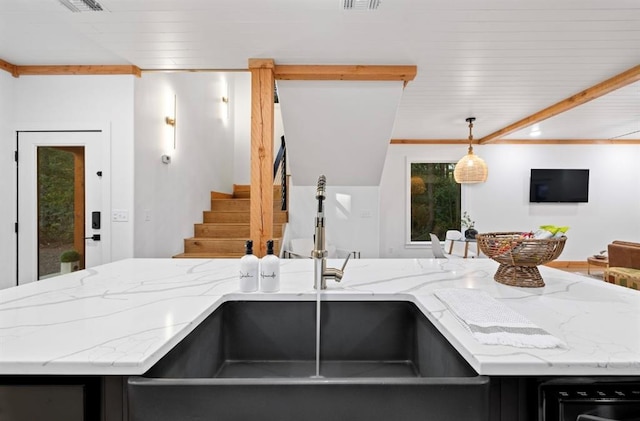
[[328, 125]]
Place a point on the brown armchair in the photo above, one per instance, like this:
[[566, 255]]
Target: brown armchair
[[624, 264]]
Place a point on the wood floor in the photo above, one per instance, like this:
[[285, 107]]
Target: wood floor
[[593, 272]]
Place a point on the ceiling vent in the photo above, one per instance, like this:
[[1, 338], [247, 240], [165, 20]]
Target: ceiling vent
[[360, 4], [82, 5]]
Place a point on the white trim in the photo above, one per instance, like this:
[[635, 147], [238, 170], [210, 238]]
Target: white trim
[[103, 134]]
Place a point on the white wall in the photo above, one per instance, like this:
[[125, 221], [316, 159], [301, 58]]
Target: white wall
[[502, 203], [170, 198], [7, 186], [330, 125], [66, 102], [351, 216], [242, 122]]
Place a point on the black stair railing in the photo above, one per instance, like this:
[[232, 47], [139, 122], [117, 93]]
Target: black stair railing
[[280, 167]]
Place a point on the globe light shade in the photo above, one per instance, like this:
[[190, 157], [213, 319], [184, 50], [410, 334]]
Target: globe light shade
[[470, 169]]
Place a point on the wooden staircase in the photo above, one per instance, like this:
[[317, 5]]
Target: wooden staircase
[[225, 228]]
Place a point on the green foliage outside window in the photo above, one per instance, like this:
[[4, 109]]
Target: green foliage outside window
[[55, 196], [435, 200]]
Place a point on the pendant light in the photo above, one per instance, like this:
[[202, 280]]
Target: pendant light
[[471, 168]]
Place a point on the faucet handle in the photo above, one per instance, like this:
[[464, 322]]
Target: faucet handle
[[344, 265], [334, 273]]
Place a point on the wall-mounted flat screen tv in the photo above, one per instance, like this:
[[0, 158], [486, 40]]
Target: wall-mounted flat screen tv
[[559, 185]]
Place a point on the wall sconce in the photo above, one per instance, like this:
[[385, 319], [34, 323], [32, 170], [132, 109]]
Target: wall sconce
[[171, 121], [225, 107]]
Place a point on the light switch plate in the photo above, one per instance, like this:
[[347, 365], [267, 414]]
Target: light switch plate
[[120, 215]]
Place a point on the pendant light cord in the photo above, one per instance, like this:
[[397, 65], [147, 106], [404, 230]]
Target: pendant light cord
[[471, 120]]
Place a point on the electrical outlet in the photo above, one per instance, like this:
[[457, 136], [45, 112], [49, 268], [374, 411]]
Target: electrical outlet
[[120, 215], [366, 214]]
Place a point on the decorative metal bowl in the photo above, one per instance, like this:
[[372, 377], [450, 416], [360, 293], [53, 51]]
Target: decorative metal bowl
[[519, 256]]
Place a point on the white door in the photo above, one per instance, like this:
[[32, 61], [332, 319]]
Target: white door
[[96, 195]]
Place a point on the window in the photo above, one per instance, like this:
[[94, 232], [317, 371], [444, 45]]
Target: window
[[434, 199]]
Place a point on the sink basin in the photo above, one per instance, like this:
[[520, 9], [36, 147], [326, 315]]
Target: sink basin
[[256, 360]]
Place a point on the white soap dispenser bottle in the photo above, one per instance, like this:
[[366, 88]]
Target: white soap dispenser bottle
[[249, 269], [270, 271]]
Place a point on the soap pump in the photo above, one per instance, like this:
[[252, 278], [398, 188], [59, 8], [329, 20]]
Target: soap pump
[[270, 270], [249, 265]]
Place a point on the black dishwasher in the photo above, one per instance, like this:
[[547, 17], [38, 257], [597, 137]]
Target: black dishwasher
[[589, 399]]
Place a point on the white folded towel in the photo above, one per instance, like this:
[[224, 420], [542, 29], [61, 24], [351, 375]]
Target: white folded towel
[[492, 322]]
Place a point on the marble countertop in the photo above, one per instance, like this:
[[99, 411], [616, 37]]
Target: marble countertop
[[121, 318]]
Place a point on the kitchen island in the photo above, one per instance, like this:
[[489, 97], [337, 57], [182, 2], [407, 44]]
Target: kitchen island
[[119, 319]]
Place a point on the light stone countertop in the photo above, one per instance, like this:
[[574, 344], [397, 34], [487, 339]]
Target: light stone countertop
[[122, 317]]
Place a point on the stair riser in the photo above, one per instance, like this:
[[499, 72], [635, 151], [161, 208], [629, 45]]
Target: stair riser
[[236, 205], [218, 195], [229, 231], [246, 195], [239, 217], [244, 192], [212, 245]]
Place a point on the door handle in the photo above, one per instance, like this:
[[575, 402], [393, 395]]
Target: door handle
[[94, 237]]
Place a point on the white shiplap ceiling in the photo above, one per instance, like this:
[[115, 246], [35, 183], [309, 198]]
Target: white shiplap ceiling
[[498, 60]]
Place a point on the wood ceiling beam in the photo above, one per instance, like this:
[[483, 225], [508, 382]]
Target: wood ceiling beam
[[623, 79], [346, 72], [11, 68], [79, 70], [429, 142], [17, 71], [567, 142], [518, 142]]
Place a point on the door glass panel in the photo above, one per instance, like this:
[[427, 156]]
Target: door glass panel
[[60, 178]]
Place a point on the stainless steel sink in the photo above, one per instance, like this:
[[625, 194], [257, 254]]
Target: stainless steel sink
[[255, 360]]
